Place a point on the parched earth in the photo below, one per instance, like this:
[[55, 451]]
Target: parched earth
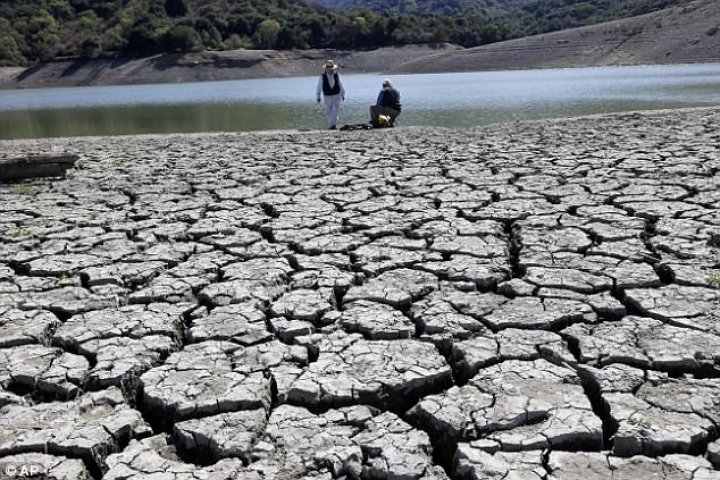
[[529, 301]]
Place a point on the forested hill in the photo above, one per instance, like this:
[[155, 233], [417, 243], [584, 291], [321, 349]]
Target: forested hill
[[542, 14], [517, 17], [36, 31]]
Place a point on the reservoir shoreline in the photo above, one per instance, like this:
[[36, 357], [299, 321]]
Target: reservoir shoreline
[[677, 35]]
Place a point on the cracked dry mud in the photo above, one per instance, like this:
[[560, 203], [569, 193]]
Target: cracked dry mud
[[525, 301]]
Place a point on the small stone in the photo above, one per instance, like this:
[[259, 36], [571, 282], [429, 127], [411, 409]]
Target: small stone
[[225, 435], [397, 288], [18, 327], [243, 323], [379, 372], [376, 321], [200, 381], [90, 427], [50, 467]]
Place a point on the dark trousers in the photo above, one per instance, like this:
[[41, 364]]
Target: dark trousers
[[376, 110]]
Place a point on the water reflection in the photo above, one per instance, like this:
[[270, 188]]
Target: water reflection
[[452, 100], [145, 119]]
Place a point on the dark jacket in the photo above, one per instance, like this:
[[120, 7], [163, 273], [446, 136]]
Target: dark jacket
[[390, 98], [326, 85]]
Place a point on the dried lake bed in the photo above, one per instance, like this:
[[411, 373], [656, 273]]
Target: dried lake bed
[[531, 300]]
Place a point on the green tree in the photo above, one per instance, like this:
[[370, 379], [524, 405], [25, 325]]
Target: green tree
[[182, 38], [267, 33], [33, 31], [9, 52], [236, 42], [91, 47], [42, 36], [440, 34]]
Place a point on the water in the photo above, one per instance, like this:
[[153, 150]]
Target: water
[[452, 100]]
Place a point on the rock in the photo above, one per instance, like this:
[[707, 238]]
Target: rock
[[511, 344], [127, 274], [90, 427], [334, 243], [303, 304], [43, 370], [287, 330], [242, 323], [256, 280], [514, 406], [516, 287], [533, 312], [376, 321], [397, 288], [200, 381], [674, 416], [154, 457], [267, 356], [471, 462], [38, 165], [482, 247], [326, 276], [474, 304], [7, 398], [387, 374], [375, 259], [633, 249], [655, 210], [691, 307], [18, 327], [63, 302], [713, 454], [646, 343], [575, 280], [31, 465], [119, 361], [570, 239], [599, 466], [509, 210], [356, 442], [183, 282], [485, 273], [230, 434], [688, 273], [133, 321], [56, 265]]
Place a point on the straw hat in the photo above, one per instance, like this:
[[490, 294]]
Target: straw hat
[[330, 64]]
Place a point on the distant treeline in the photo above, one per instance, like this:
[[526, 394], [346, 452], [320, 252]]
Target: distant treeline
[[35, 31]]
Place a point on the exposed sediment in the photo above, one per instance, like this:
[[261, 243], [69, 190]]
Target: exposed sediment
[[530, 300]]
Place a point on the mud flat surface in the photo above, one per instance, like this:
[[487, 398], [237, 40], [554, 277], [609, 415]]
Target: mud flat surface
[[528, 301]]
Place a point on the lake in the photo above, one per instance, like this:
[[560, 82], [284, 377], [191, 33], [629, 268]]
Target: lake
[[451, 100]]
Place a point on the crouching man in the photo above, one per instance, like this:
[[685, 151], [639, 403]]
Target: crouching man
[[387, 104]]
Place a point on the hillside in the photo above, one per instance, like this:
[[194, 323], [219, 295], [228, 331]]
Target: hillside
[[676, 35], [528, 16], [39, 31], [209, 66], [685, 34]]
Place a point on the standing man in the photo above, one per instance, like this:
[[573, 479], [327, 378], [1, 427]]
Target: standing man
[[388, 103], [333, 91]]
